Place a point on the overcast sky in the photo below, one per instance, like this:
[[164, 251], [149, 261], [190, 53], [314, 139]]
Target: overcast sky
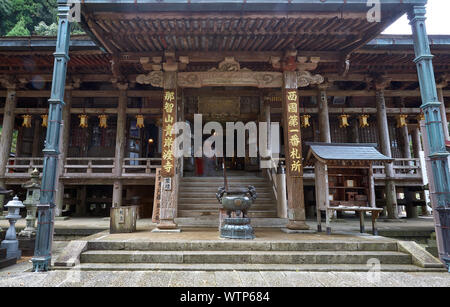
[[438, 19]]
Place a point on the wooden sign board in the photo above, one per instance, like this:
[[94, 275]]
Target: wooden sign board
[[169, 119], [294, 160], [157, 197]]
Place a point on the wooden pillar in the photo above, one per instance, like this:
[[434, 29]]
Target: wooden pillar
[[324, 120], [440, 93], [36, 138], [385, 144], [355, 131], [169, 186], [117, 200], [80, 209], [405, 142], [7, 134], [268, 123], [63, 148], [294, 183], [416, 142]]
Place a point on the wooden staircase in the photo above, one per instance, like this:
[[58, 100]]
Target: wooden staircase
[[197, 196]]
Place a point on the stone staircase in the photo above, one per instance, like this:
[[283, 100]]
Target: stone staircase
[[220, 255], [197, 196]]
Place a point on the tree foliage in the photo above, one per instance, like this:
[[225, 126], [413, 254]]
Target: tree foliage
[[25, 17], [19, 29]]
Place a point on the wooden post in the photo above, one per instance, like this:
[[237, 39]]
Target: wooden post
[[169, 194], [64, 147], [385, 144], [416, 142], [294, 177], [7, 134], [120, 144], [324, 121], [405, 142], [36, 137], [440, 93]]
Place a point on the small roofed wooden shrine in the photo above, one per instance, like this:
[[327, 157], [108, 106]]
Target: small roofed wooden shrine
[[344, 180]]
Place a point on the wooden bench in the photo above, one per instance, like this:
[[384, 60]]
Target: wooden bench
[[361, 210]]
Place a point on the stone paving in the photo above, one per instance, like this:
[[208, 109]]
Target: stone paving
[[222, 279]]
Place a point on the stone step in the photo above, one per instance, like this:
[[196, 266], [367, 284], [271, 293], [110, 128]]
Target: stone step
[[215, 212], [238, 245], [209, 207], [246, 257], [213, 222], [208, 193], [230, 178], [213, 201], [247, 267]]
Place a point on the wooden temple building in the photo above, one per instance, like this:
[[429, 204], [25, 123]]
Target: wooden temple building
[[229, 61]]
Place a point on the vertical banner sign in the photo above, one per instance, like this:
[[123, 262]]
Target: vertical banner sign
[[157, 197], [294, 147], [169, 117]]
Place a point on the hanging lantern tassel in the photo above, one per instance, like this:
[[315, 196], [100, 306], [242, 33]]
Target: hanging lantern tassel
[[26, 121], [401, 120], [140, 121], [305, 120], [363, 121], [44, 120], [103, 121], [83, 120], [344, 121]]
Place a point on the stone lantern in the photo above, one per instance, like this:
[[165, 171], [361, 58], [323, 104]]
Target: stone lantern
[[11, 243], [33, 187]]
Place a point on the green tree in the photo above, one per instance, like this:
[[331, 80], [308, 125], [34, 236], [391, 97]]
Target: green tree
[[31, 11], [19, 29]]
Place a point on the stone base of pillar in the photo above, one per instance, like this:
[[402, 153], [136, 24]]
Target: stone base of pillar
[[297, 225], [167, 225]]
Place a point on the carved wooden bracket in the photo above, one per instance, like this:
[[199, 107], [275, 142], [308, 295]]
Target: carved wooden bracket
[[155, 78], [230, 78], [8, 81], [305, 78], [230, 65]]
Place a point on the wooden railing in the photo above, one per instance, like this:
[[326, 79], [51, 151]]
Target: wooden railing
[[18, 167], [403, 169], [89, 167], [135, 167], [140, 166]]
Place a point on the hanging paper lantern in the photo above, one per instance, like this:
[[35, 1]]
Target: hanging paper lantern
[[343, 119], [363, 120], [140, 121], [103, 121], [26, 121], [401, 120], [304, 119], [83, 120], [44, 120]]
